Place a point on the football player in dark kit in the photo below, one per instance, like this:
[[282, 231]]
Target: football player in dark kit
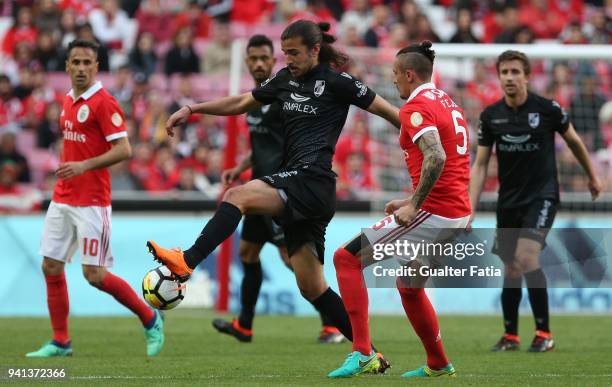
[[522, 125], [314, 99], [266, 132]]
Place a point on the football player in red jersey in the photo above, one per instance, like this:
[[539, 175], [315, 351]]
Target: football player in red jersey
[[435, 140], [78, 218]]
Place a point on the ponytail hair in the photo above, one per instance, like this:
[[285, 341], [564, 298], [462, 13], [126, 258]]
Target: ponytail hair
[[418, 57], [316, 33]]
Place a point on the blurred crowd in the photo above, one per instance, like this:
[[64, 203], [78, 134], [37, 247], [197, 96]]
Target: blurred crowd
[[158, 55]]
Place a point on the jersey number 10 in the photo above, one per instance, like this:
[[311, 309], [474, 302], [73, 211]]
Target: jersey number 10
[[92, 246]]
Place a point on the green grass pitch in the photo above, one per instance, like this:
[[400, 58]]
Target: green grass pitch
[[110, 351]]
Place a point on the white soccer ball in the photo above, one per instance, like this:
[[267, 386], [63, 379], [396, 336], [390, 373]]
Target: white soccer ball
[[161, 289]]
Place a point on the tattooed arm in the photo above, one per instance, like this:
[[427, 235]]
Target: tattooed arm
[[433, 163]]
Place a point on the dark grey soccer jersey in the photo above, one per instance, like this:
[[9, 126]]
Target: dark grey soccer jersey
[[266, 132], [525, 145], [314, 110]]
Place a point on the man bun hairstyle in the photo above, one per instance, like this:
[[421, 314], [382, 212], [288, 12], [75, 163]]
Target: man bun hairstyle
[[316, 33], [418, 57]]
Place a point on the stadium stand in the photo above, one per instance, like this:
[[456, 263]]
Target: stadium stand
[[162, 54]]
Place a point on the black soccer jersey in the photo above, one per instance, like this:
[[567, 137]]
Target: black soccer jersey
[[525, 145], [266, 132], [314, 110]]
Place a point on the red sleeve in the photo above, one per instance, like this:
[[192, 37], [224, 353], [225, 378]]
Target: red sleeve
[[8, 43], [111, 119], [417, 118]]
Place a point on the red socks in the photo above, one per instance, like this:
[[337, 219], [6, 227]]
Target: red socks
[[355, 297], [124, 293], [57, 301], [425, 323]]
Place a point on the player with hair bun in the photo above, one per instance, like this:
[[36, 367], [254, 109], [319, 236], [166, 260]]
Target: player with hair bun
[[315, 99], [434, 137]]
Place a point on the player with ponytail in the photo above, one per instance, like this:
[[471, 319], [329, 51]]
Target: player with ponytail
[[315, 97]]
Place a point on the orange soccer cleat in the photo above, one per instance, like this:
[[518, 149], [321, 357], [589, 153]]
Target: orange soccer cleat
[[172, 258]]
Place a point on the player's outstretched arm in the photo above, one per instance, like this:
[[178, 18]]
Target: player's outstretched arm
[[120, 150], [579, 150], [382, 108], [227, 106]]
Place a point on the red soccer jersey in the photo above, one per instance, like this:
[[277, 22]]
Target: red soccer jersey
[[88, 125], [429, 109]]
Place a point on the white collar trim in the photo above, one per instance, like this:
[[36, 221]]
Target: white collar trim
[[424, 86], [93, 89]]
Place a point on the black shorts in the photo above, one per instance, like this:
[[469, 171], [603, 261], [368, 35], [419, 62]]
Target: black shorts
[[310, 195], [261, 229], [532, 221]]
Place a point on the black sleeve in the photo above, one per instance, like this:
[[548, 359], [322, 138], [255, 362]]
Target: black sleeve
[[194, 63], [352, 91], [268, 91], [370, 38], [485, 137], [561, 119], [169, 64]]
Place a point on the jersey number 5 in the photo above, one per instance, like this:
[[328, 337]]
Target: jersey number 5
[[460, 130]]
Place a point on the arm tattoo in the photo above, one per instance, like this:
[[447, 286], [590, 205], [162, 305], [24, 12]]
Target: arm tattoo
[[433, 163]]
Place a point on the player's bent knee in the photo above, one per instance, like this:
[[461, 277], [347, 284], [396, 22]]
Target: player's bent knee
[[52, 266], [234, 196], [94, 275], [248, 256], [310, 293], [513, 270], [527, 261], [311, 289]]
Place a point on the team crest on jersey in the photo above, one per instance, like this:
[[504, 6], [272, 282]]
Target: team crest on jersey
[[83, 113], [319, 88], [363, 89], [533, 119], [416, 119], [116, 119]]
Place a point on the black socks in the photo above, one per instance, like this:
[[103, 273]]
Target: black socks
[[538, 298], [330, 304], [223, 224], [249, 292], [510, 300]]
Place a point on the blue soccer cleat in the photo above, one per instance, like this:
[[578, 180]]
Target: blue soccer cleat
[[426, 372], [51, 349], [357, 364], [155, 335]]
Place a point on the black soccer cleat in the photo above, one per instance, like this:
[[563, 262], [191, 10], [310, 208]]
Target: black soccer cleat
[[233, 328], [384, 364], [542, 342], [507, 343]]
